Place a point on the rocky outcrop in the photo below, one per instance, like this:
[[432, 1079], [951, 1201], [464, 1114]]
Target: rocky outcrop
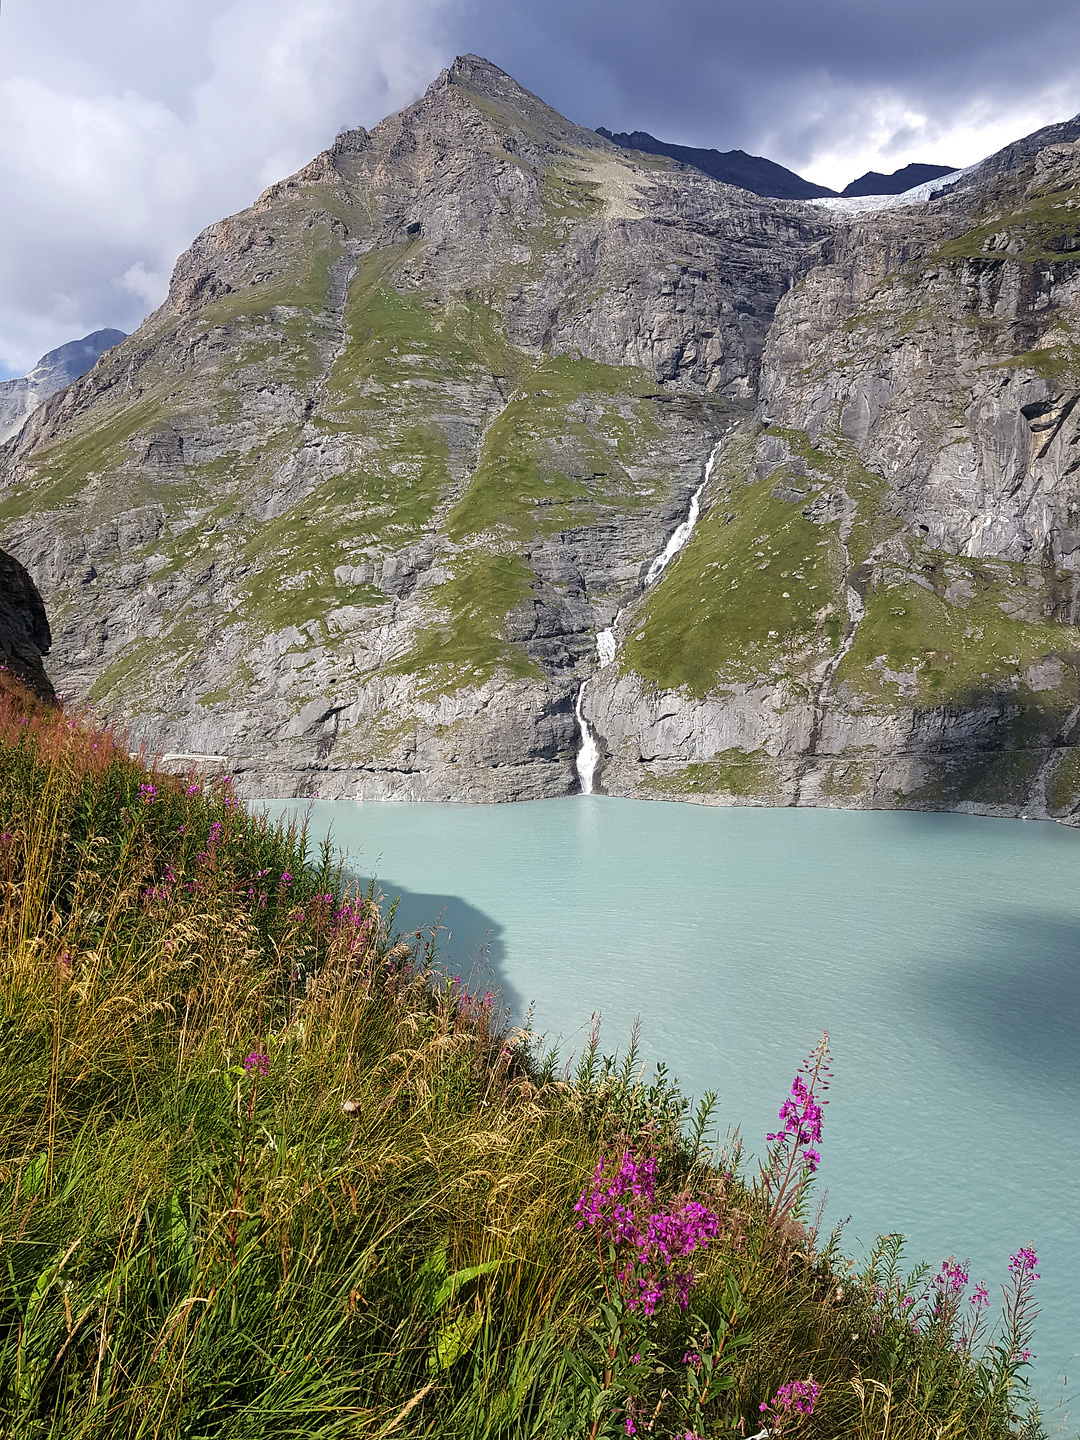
[[24, 628], [51, 373], [352, 507]]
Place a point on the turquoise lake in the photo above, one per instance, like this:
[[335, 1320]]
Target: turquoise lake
[[941, 952]]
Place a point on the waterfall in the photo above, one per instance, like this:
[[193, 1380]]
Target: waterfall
[[685, 530], [606, 644], [588, 757]]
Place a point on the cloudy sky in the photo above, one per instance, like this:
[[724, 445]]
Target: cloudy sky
[[128, 125]]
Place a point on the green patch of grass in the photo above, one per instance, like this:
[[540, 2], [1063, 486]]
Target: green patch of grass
[[400, 340], [1063, 787], [845, 778], [468, 644], [744, 773], [959, 650], [303, 283], [521, 487], [277, 348], [169, 653], [1058, 363], [567, 196], [1044, 229], [1001, 777], [744, 598], [61, 470]]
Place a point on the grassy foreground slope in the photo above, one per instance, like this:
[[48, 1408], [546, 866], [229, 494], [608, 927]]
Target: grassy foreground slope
[[264, 1172]]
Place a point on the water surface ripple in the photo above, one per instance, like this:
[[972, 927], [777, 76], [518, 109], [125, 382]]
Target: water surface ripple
[[941, 951]]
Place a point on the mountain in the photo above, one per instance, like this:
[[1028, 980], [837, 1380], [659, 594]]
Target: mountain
[[730, 167], [874, 183], [51, 373], [407, 436]]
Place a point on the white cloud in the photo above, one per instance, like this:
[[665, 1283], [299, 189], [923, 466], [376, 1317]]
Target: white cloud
[[886, 132], [107, 181]]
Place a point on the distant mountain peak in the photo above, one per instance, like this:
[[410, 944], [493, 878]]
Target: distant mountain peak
[[875, 183], [52, 372], [731, 167]]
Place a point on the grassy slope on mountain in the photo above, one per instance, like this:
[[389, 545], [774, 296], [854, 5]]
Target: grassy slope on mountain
[[369, 1228]]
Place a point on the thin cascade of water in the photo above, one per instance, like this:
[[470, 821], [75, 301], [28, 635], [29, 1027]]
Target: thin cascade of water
[[606, 643], [588, 756], [686, 529]]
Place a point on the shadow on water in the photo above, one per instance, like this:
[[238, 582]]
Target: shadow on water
[[468, 942], [1015, 996]]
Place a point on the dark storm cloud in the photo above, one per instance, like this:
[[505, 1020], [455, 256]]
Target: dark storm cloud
[[801, 76], [125, 126]]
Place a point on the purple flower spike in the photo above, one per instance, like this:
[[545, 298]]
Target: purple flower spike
[[1023, 1263]]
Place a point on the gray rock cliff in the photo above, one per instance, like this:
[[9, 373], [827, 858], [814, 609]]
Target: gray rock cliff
[[24, 628]]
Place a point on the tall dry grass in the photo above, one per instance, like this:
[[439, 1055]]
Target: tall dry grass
[[265, 1172]]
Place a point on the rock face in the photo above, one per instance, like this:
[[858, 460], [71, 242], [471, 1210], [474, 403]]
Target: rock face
[[51, 373], [24, 627], [354, 505]]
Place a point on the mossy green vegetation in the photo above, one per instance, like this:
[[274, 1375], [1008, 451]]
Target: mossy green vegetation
[[266, 1171], [753, 594], [744, 774], [62, 470], [1041, 228], [468, 643], [303, 283], [997, 777], [396, 335], [960, 630], [566, 414]]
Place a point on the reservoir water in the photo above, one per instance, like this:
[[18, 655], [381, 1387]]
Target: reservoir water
[[942, 952]]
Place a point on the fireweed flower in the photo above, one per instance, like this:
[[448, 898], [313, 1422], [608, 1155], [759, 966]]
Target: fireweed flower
[[951, 1277], [801, 1117], [795, 1398], [650, 1244], [1023, 1263], [257, 1063], [980, 1299], [148, 793]]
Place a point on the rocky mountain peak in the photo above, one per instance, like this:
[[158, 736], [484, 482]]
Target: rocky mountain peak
[[514, 111]]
